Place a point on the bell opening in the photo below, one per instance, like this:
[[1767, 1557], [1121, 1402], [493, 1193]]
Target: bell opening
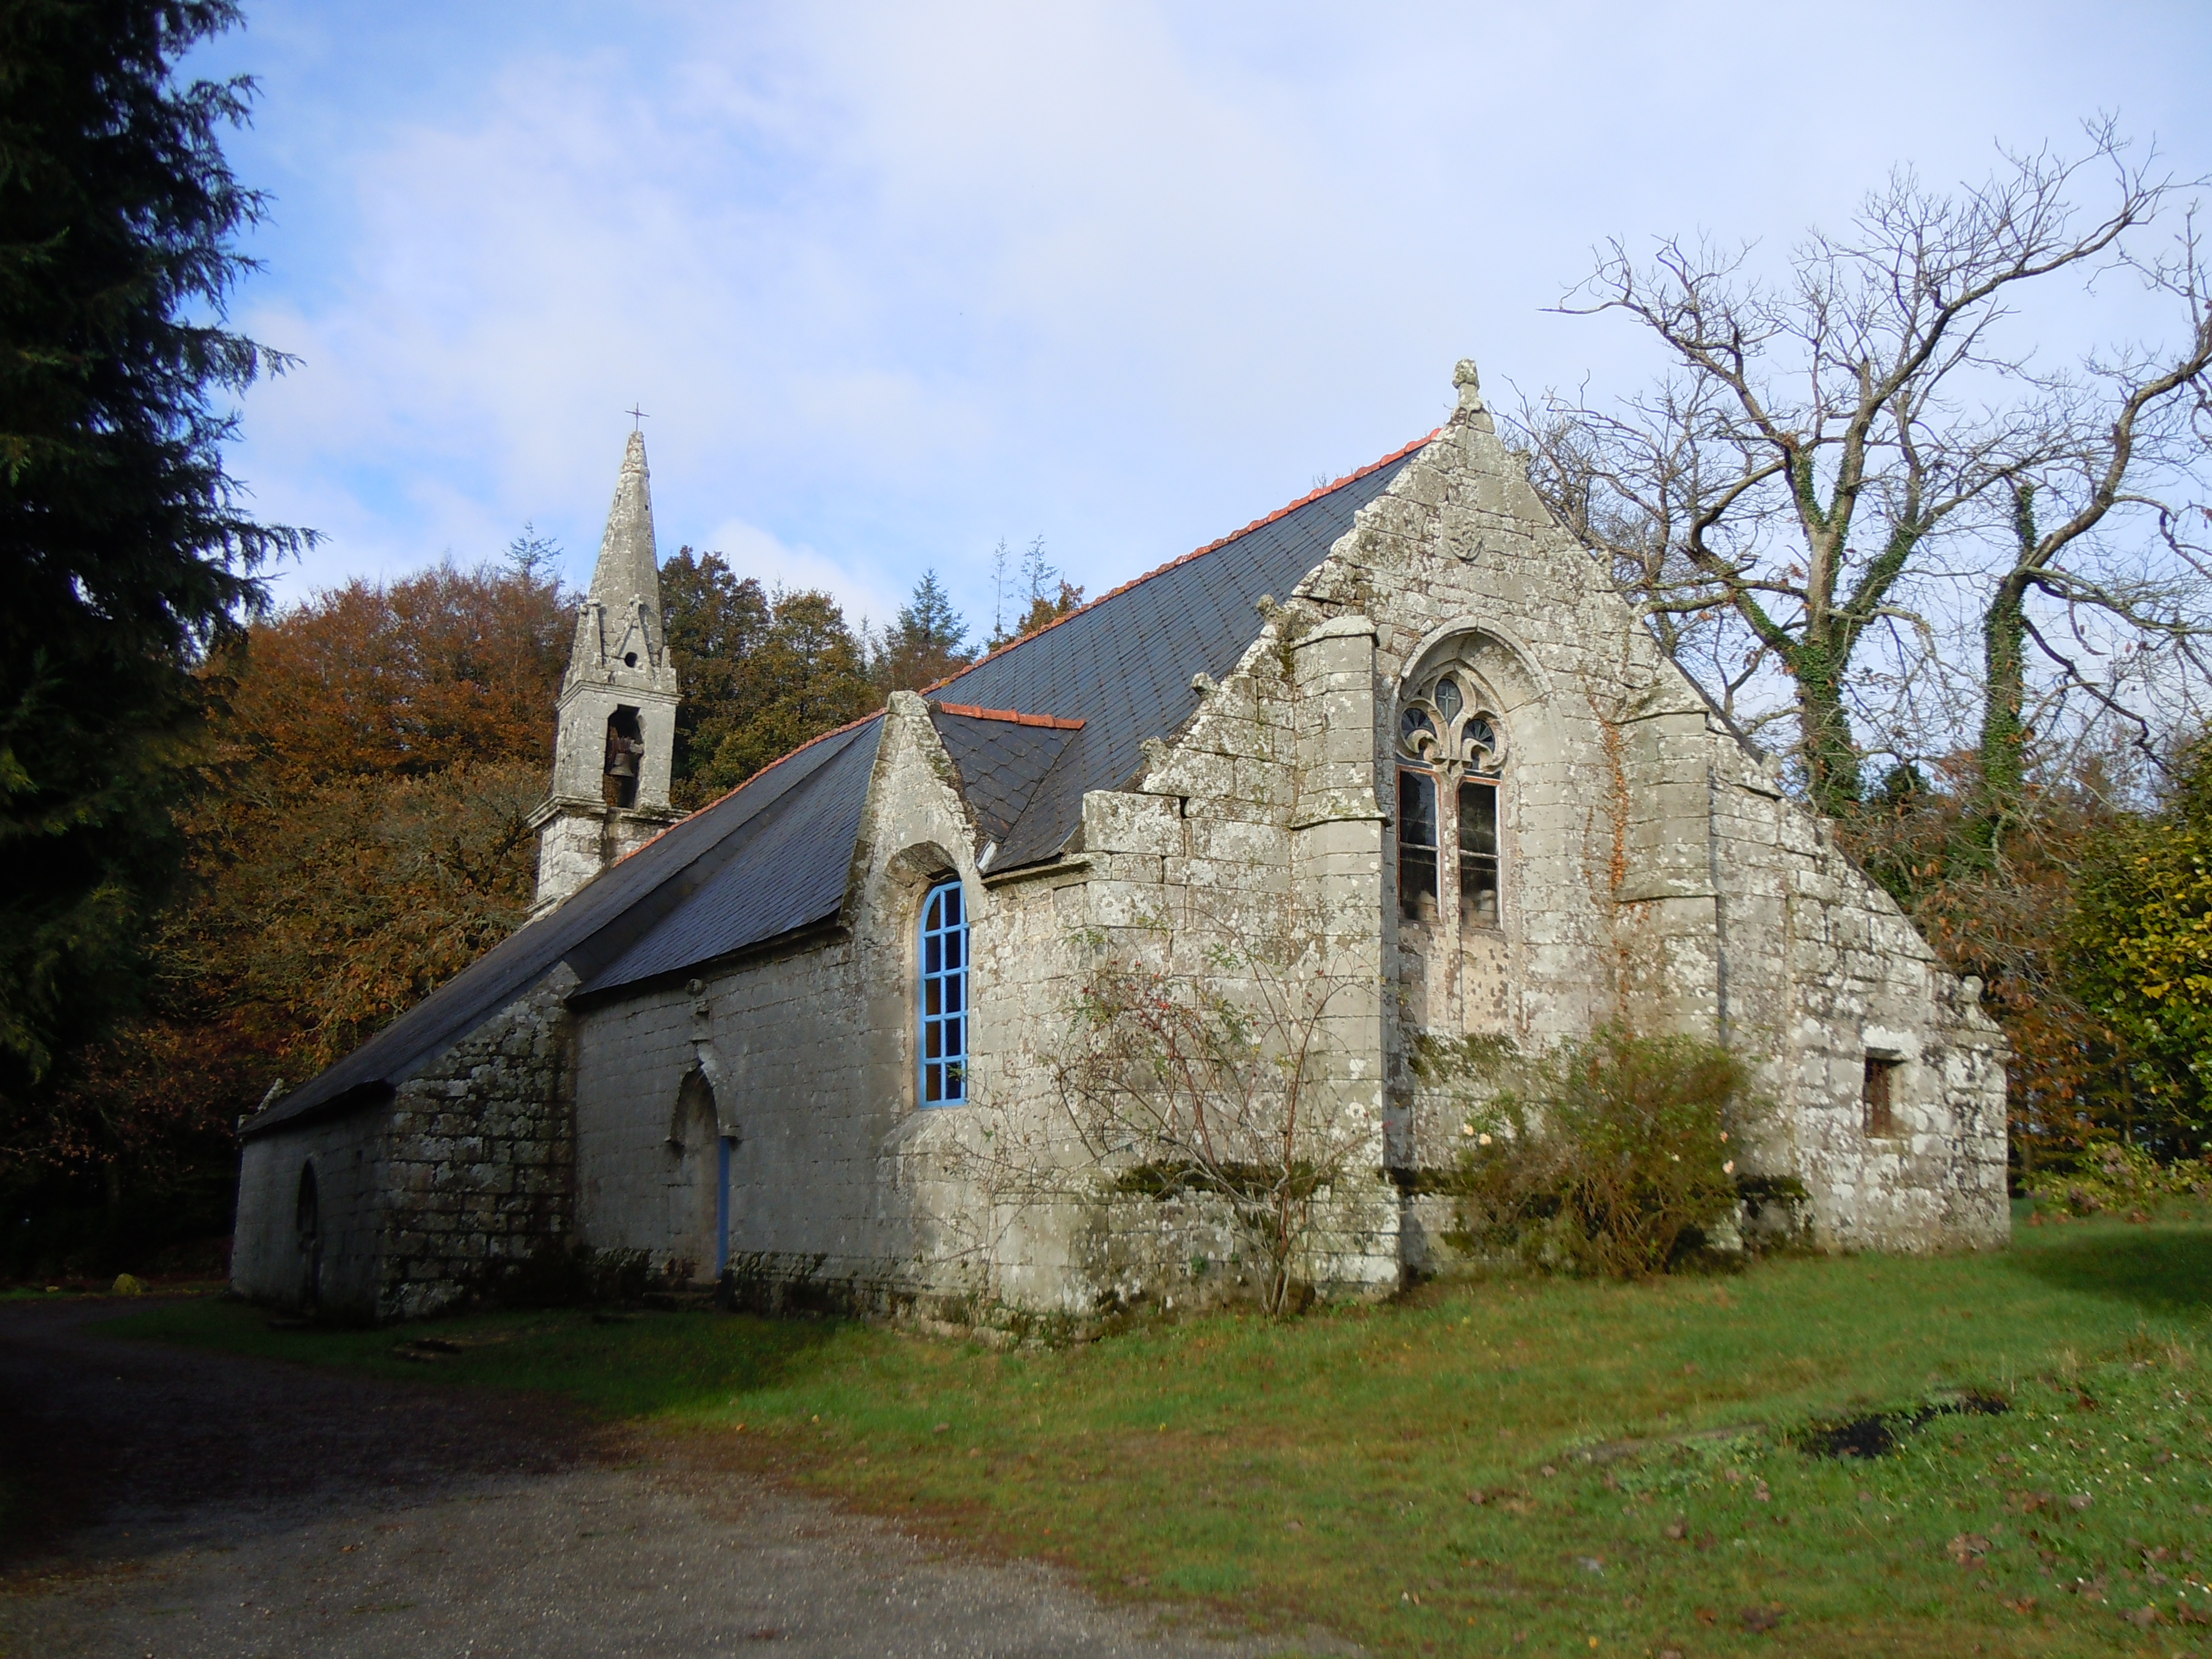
[[625, 753]]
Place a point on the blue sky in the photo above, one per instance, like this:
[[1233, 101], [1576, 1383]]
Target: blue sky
[[894, 281]]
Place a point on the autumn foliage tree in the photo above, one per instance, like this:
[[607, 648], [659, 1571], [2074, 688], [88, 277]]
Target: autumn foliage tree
[[762, 672], [2139, 953], [362, 836], [387, 746], [2007, 923], [446, 667]]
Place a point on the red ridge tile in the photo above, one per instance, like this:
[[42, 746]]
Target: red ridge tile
[[973, 713]]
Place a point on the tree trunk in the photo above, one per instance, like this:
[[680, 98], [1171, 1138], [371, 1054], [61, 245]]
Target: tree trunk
[[2003, 750], [1831, 759]]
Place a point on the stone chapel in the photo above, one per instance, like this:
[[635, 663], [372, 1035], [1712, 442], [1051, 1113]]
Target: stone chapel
[[755, 1039]]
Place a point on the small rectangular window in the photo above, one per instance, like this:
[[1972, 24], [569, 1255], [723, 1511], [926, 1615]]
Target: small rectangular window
[[1417, 846], [1879, 1096], [1477, 854]]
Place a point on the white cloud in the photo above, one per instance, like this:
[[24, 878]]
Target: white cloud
[[749, 551], [894, 281]]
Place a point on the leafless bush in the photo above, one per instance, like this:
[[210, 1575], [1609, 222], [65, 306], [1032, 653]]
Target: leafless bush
[[1209, 1077]]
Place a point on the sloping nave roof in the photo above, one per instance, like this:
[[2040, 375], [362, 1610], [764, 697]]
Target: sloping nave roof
[[773, 855]]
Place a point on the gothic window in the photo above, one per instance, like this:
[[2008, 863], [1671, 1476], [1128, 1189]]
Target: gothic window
[[1416, 843], [1478, 852], [1450, 753], [944, 996]]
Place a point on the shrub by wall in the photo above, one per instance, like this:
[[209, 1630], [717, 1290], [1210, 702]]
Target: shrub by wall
[[1615, 1156]]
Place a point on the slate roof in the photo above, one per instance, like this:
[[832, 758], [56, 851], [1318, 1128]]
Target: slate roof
[[608, 914], [1123, 664], [1002, 758], [785, 867], [773, 855]]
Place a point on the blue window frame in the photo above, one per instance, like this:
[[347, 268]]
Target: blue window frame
[[725, 1145], [944, 996]]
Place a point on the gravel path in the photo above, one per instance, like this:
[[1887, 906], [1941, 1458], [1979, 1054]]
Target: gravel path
[[187, 1504]]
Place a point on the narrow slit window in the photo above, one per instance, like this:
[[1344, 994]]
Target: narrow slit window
[[1879, 1096], [944, 996], [1477, 854], [1417, 845]]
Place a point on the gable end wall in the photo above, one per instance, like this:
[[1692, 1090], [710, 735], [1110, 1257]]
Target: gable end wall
[[1656, 875]]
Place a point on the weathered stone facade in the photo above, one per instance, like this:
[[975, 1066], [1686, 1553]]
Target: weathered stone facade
[[437, 1197], [1622, 858], [1654, 875], [479, 1170]]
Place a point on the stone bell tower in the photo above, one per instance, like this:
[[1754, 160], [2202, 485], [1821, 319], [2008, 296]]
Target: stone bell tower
[[616, 732]]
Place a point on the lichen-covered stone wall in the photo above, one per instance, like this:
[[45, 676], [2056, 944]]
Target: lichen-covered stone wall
[[1654, 874], [843, 1187], [479, 1158], [433, 1197], [809, 1053]]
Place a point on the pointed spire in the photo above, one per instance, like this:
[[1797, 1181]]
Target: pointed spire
[[618, 630], [628, 570]]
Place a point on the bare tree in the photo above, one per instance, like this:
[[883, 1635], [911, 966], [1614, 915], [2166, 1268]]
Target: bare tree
[[2138, 425], [1850, 458]]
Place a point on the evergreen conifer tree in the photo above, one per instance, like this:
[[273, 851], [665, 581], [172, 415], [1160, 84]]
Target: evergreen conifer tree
[[928, 641], [124, 551]]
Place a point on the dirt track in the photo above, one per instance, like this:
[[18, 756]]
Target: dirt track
[[185, 1503]]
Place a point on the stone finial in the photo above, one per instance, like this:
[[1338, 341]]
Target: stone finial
[[1469, 382]]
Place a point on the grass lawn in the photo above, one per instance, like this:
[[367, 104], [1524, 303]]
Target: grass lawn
[[1447, 1476]]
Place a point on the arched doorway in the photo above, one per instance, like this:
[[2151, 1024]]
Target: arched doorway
[[699, 1195]]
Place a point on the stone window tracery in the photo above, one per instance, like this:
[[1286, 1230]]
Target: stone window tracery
[[1451, 754]]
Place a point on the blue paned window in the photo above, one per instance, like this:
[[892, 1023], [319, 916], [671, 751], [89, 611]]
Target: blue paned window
[[944, 996]]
